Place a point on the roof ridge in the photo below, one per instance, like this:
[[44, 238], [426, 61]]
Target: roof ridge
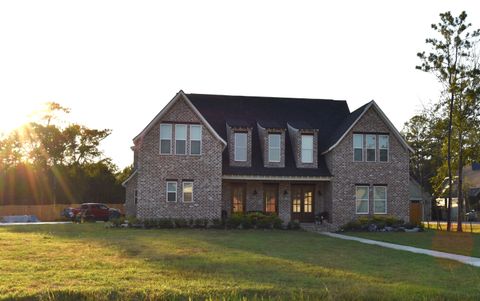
[[266, 97]]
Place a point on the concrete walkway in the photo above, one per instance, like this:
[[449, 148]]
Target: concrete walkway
[[33, 223], [463, 259]]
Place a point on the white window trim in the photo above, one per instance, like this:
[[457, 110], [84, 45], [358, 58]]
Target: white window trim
[[375, 148], [386, 198], [235, 147], [183, 191], [388, 148], [186, 138], [368, 199], [190, 139], [176, 191], [171, 139], [362, 148], [302, 148], [272, 148]]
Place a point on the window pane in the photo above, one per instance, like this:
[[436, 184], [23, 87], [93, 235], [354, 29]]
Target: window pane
[[171, 186], [370, 139], [380, 192], [362, 193], [180, 148], [240, 147], [383, 142], [180, 132], [274, 155], [195, 132], [195, 147], [307, 148], [187, 192], [380, 199], [165, 146], [371, 155], [358, 140], [362, 206], [165, 131], [270, 199], [274, 140], [172, 197], [383, 155], [358, 154]]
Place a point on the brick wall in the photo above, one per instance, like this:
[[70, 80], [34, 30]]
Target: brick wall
[[346, 173], [204, 170], [130, 206]]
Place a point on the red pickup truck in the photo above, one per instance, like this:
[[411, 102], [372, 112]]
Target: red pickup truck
[[92, 212]]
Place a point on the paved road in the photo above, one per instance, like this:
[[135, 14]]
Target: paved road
[[463, 259]]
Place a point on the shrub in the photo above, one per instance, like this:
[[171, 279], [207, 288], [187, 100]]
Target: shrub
[[372, 223], [165, 223], [117, 222], [293, 225], [234, 221], [217, 224], [180, 223], [150, 223], [201, 223]]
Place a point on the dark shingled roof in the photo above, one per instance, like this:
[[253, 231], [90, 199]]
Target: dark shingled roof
[[330, 117]]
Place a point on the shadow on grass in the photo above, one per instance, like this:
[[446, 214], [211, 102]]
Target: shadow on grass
[[178, 264]]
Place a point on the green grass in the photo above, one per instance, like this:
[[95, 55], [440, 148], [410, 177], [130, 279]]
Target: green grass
[[452, 242], [88, 262], [467, 227]]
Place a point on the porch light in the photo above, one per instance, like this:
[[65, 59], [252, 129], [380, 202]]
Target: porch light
[[255, 192], [285, 192], [319, 192]]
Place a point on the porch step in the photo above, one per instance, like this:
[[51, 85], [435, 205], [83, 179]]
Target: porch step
[[314, 227]]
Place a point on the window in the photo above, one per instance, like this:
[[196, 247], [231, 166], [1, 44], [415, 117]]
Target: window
[[240, 147], [135, 196], [187, 192], [307, 148], [180, 139], [358, 147], [271, 198], [195, 139], [165, 139], [371, 145], [361, 199], [380, 199], [238, 198], [274, 147], [171, 191], [383, 147]]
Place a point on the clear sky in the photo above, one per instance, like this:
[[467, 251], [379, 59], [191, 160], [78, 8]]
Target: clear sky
[[117, 63]]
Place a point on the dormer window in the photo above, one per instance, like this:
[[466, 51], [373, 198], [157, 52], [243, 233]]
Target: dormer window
[[307, 148], [240, 146], [274, 152]]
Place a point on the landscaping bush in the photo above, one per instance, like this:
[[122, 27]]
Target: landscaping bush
[[217, 224], [293, 225], [117, 222], [181, 223], [374, 223], [201, 223], [234, 221]]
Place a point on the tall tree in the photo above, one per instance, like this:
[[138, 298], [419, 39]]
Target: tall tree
[[446, 60]]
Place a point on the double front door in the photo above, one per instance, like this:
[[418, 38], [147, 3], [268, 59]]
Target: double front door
[[303, 203]]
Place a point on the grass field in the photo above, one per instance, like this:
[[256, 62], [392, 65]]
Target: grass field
[[82, 262], [451, 242]]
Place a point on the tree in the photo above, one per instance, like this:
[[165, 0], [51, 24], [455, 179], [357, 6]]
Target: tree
[[446, 60]]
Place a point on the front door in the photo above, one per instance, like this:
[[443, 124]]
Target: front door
[[302, 203]]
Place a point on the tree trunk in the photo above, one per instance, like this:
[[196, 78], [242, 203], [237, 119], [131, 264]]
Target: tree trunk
[[449, 163], [460, 182]]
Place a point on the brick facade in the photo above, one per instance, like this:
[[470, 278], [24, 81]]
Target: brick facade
[[154, 170], [347, 173], [212, 195]]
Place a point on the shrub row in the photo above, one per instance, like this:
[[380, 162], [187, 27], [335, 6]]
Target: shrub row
[[377, 223], [235, 221]]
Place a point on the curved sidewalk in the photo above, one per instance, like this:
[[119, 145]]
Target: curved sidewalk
[[474, 261]]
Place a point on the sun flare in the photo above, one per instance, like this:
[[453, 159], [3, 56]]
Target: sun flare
[[17, 115]]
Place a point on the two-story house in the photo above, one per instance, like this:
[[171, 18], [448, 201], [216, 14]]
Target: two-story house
[[204, 155]]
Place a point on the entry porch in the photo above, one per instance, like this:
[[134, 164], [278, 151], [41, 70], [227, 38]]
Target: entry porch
[[300, 200]]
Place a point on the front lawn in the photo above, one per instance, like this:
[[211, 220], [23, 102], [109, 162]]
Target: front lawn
[[452, 242], [54, 262]]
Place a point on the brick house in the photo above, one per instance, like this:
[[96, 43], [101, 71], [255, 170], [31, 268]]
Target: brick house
[[207, 155]]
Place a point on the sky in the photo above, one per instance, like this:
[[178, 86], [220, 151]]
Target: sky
[[116, 64]]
